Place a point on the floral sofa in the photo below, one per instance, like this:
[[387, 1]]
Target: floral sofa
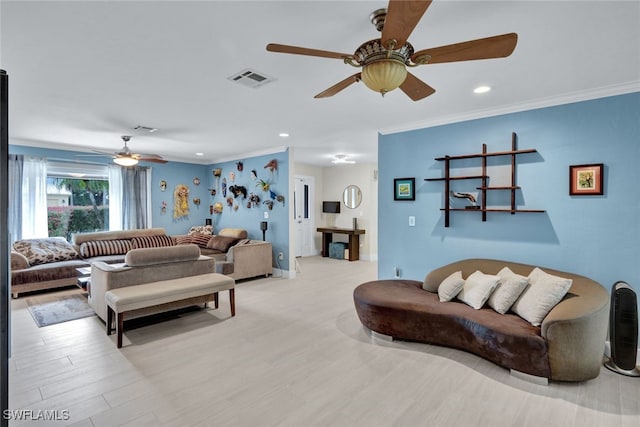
[[49, 263]]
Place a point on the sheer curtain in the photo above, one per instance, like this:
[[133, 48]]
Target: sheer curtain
[[115, 198], [16, 162], [34, 198], [136, 194]]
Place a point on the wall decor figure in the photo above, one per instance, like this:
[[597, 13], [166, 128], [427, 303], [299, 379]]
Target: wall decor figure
[[196, 181], [218, 208], [229, 201], [239, 166], [196, 201], [163, 185], [254, 199], [163, 208], [180, 201], [238, 190], [213, 191], [224, 187], [272, 165], [269, 204], [217, 173], [232, 176], [263, 184], [254, 175]]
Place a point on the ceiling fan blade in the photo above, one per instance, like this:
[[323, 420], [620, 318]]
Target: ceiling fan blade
[[402, 18], [415, 88], [487, 48], [152, 159], [339, 86], [146, 155], [282, 48]]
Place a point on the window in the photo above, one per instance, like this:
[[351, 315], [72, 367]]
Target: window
[[77, 198]]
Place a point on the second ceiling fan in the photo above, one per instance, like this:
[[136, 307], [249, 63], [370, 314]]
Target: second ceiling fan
[[384, 61]]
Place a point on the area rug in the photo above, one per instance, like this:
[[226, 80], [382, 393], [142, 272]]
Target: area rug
[[49, 310]]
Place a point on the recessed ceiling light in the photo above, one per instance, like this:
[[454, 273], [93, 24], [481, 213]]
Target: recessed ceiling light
[[283, 135], [482, 89], [342, 159], [200, 154]]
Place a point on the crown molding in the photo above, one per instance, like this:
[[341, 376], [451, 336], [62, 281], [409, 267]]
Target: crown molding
[[267, 151], [567, 98]]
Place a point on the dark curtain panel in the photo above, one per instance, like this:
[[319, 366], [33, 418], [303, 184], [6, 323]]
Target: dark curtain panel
[[135, 197], [15, 195]]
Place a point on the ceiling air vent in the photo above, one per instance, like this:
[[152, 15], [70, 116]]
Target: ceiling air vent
[[251, 78]]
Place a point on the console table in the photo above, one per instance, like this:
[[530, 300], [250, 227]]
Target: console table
[[354, 240]]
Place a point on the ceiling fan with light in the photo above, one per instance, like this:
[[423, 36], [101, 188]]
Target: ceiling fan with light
[[384, 60], [125, 157]]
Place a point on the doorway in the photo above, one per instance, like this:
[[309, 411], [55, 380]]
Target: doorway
[[303, 214]]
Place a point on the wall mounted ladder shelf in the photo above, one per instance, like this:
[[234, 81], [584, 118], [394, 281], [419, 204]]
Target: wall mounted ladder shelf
[[484, 178]]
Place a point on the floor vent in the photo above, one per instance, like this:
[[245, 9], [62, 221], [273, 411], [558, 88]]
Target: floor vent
[[251, 78]]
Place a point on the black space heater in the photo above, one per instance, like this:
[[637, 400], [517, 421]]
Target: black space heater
[[623, 330]]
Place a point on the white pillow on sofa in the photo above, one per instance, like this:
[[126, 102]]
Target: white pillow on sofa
[[510, 287], [544, 292], [477, 288], [450, 287]]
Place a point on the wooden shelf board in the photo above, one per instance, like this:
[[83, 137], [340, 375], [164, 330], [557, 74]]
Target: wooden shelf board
[[453, 178], [480, 155], [508, 187], [495, 210]]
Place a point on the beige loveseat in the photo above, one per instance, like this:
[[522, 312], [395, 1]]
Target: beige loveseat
[[236, 256], [145, 266], [567, 346]]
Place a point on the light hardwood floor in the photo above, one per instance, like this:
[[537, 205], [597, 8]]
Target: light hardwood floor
[[294, 355]]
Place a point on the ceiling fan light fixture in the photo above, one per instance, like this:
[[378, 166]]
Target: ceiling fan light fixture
[[125, 161], [384, 75]]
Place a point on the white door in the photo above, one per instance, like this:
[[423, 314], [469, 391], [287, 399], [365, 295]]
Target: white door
[[303, 214]]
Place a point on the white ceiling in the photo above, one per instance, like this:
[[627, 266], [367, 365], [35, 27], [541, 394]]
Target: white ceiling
[[84, 73]]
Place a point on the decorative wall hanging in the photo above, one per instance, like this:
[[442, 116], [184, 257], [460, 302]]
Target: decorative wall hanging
[[163, 185], [180, 201], [217, 173], [163, 208], [238, 190], [254, 175], [218, 208], [254, 199], [213, 191], [232, 176], [586, 180], [239, 166], [269, 204], [224, 187], [272, 165], [229, 201], [210, 209], [404, 189], [196, 181], [196, 201], [263, 184]]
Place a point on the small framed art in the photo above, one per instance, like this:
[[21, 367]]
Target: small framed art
[[586, 180], [404, 189]]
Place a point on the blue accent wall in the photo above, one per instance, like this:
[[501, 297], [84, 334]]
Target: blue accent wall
[[595, 236], [250, 218]]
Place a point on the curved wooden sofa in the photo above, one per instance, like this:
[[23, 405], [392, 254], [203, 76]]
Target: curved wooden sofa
[[568, 346]]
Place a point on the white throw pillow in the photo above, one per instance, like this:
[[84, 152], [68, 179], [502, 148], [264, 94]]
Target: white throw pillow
[[510, 287], [544, 292], [477, 288], [450, 287]]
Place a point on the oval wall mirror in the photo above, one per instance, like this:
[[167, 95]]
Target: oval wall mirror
[[352, 196]]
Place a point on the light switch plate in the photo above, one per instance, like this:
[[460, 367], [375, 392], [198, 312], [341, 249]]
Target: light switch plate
[[412, 221], [266, 215]]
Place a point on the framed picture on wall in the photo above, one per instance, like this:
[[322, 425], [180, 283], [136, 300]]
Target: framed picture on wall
[[586, 180], [404, 189]]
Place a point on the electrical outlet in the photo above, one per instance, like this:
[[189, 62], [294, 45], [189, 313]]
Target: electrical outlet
[[280, 256], [412, 221]]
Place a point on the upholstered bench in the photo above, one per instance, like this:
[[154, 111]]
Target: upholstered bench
[[141, 300]]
